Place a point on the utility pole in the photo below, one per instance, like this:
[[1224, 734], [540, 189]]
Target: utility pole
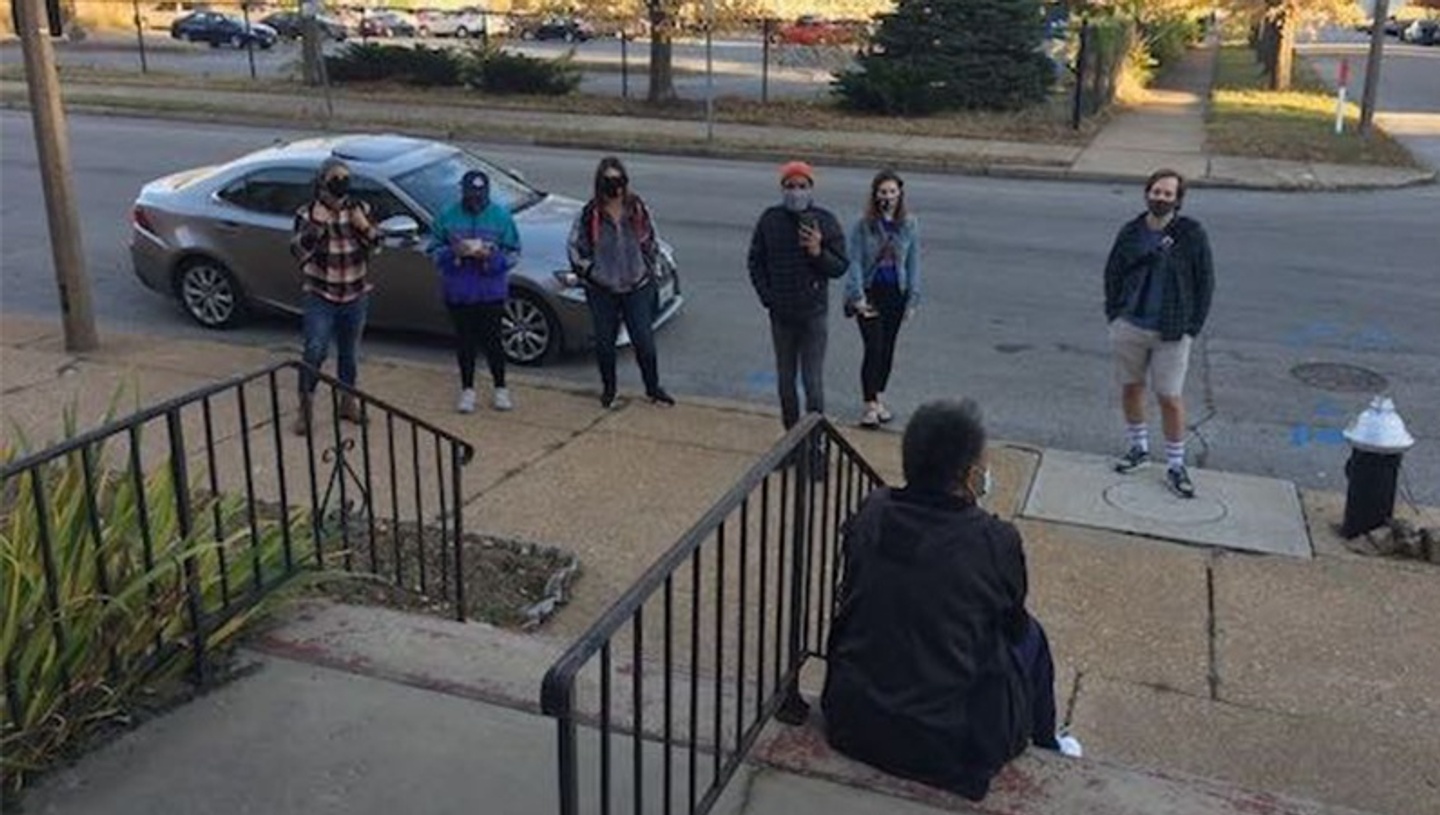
[[47, 113], [1372, 66]]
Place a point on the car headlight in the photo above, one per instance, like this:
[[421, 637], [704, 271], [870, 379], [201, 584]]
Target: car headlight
[[667, 257], [569, 285]]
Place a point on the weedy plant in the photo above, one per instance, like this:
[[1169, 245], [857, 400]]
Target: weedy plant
[[106, 596]]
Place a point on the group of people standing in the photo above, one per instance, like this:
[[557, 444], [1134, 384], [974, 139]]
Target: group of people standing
[[1158, 284]]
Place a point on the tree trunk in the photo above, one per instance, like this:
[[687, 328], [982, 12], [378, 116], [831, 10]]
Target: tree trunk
[[1284, 71], [662, 76]]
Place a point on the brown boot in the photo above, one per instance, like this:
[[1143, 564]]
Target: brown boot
[[350, 410], [301, 427]]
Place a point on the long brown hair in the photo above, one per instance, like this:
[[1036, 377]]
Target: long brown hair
[[606, 164], [872, 210]]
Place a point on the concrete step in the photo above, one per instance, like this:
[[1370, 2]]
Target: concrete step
[[503, 668]]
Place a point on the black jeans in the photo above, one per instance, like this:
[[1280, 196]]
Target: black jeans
[[637, 309], [879, 334], [799, 344], [477, 329]]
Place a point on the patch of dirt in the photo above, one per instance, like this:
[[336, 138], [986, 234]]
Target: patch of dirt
[[505, 582], [1401, 540]]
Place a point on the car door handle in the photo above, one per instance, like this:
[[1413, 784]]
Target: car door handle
[[230, 226]]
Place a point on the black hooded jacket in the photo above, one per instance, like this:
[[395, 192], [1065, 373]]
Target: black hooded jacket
[[921, 680]]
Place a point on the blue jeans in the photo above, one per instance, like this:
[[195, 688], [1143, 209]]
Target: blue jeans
[[637, 309], [327, 321]]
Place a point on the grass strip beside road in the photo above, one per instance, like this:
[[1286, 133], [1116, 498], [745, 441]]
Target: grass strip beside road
[[1247, 119], [1047, 124]]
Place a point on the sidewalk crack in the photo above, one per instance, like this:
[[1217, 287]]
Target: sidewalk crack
[[1211, 630], [1072, 700]]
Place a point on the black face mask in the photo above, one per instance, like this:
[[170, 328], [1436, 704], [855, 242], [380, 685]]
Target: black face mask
[[338, 187], [475, 202], [1160, 208], [612, 187]]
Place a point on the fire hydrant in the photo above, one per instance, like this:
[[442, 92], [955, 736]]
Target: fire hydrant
[[1378, 439]]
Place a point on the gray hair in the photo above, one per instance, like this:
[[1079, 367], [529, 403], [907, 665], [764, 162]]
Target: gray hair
[[943, 440]]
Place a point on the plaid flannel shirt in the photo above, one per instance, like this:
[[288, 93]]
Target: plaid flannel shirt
[[333, 247]]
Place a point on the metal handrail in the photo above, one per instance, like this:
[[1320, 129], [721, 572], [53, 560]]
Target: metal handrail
[[145, 415], [555, 698]]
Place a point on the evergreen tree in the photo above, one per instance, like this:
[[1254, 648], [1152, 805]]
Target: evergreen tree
[[931, 55]]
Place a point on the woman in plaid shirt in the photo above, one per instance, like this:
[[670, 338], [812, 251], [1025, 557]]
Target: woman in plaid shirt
[[333, 239]]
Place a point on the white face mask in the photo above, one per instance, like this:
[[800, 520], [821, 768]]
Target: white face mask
[[987, 483]]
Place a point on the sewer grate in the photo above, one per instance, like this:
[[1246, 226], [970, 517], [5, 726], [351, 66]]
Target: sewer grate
[[1338, 376]]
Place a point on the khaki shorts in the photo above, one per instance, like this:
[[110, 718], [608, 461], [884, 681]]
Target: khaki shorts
[[1139, 352]]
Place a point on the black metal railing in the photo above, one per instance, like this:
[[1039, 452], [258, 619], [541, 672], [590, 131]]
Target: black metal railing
[[141, 542], [733, 611]]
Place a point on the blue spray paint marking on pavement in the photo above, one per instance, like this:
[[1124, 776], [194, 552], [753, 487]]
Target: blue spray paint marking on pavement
[[1322, 429], [761, 381]]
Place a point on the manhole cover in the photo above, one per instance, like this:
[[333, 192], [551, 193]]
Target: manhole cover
[[1150, 500], [1337, 376]]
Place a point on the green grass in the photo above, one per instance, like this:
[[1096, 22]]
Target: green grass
[[1246, 119]]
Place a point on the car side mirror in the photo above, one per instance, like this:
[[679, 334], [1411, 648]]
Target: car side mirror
[[399, 231]]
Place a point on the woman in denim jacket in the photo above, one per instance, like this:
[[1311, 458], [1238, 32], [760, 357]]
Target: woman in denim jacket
[[883, 285]]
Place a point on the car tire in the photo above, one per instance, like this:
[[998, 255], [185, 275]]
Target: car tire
[[209, 293], [530, 331]]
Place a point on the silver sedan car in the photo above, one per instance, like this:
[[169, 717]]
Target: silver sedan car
[[217, 238]]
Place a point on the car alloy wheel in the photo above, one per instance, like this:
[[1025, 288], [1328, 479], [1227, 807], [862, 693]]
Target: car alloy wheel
[[210, 294], [529, 331]]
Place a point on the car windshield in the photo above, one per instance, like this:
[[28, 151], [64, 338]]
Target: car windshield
[[435, 185]]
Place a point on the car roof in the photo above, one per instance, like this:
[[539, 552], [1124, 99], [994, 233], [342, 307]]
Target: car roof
[[383, 154]]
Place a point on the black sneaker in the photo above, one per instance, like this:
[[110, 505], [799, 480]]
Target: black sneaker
[[607, 398], [1178, 479], [660, 397], [1134, 459]]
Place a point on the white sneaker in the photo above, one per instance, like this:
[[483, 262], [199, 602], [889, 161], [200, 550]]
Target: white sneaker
[[502, 399], [467, 401], [1069, 745]]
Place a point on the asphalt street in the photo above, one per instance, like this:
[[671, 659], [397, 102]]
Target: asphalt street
[[795, 72], [1408, 98], [1012, 303]]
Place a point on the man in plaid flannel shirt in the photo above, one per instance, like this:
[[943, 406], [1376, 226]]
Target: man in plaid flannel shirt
[[333, 239]]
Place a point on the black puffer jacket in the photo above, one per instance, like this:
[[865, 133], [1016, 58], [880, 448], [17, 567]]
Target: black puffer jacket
[[788, 280], [921, 681]]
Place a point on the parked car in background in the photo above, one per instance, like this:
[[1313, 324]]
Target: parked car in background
[[811, 30], [387, 23], [290, 25], [569, 29], [466, 22], [217, 238], [1422, 32], [222, 29], [163, 15]]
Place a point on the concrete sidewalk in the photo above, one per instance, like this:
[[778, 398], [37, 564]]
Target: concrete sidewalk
[[1310, 677], [1167, 130]]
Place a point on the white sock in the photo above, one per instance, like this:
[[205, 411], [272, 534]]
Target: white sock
[[1138, 435], [1174, 454]]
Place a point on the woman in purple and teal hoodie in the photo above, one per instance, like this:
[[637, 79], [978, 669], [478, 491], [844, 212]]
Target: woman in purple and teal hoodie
[[474, 244]]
